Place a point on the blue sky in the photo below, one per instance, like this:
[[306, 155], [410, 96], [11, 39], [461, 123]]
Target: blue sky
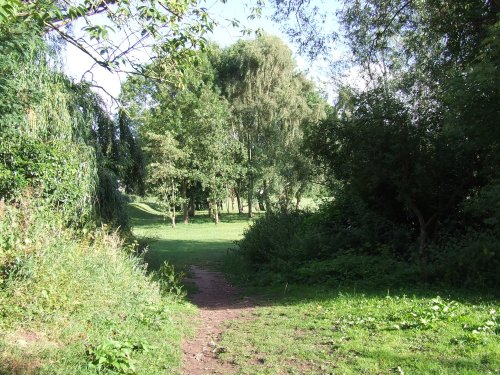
[[224, 34]]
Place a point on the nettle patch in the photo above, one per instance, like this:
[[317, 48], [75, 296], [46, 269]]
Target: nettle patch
[[116, 355]]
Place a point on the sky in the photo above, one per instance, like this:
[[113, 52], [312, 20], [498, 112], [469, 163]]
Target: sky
[[79, 66]]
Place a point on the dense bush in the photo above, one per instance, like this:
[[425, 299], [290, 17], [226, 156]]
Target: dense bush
[[346, 242], [472, 256], [273, 238], [54, 170]]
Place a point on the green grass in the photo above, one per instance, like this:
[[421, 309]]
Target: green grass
[[65, 294], [200, 242], [317, 330], [314, 329]]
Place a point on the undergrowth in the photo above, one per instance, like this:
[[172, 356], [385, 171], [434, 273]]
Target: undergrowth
[[77, 301]]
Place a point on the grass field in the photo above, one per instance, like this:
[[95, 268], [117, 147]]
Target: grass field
[[319, 330], [201, 242]]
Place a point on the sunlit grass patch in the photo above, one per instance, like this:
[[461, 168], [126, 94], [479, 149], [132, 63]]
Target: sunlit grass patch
[[315, 330]]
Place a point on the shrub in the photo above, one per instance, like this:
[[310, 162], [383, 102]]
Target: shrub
[[54, 170], [273, 238]]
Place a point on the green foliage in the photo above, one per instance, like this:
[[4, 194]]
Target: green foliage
[[271, 104], [186, 134], [423, 316], [54, 172], [345, 242], [132, 161], [178, 26], [416, 146], [56, 138], [80, 288], [163, 171], [115, 355], [170, 281], [272, 239], [111, 202]]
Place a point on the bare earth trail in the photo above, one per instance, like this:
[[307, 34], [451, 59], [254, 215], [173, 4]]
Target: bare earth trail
[[219, 303]]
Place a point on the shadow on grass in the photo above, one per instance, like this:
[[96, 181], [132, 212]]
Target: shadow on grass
[[184, 253], [142, 213], [292, 293]]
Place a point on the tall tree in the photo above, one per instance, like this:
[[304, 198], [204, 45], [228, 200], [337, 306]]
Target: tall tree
[[409, 143], [163, 172], [268, 101], [196, 116]]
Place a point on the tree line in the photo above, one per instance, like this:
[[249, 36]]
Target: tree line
[[410, 152], [233, 126]]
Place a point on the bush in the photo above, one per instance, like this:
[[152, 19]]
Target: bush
[[470, 260], [346, 242], [273, 238], [473, 258], [54, 170], [346, 224], [349, 267]]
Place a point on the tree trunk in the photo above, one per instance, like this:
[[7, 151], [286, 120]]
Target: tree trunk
[[238, 201], [215, 207], [426, 228], [185, 211], [209, 209], [250, 178], [250, 200], [173, 204], [267, 199], [260, 202], [192, 207], [297, 202]]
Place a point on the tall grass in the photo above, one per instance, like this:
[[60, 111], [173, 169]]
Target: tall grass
[[65, 292]]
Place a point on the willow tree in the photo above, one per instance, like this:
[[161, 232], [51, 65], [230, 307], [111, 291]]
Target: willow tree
[[269, 103]]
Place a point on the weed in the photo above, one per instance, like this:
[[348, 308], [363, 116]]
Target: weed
[[170, 281], [115, 355], [424, 315]]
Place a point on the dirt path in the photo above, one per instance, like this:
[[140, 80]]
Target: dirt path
[[218, 302]]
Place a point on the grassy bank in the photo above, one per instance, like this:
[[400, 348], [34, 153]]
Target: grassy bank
[[78, 302]]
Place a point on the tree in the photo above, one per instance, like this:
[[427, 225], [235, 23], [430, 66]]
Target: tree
[[112, 30], [268, 101], [163, 173], [196, 116], [131, 156], [410, 144]]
